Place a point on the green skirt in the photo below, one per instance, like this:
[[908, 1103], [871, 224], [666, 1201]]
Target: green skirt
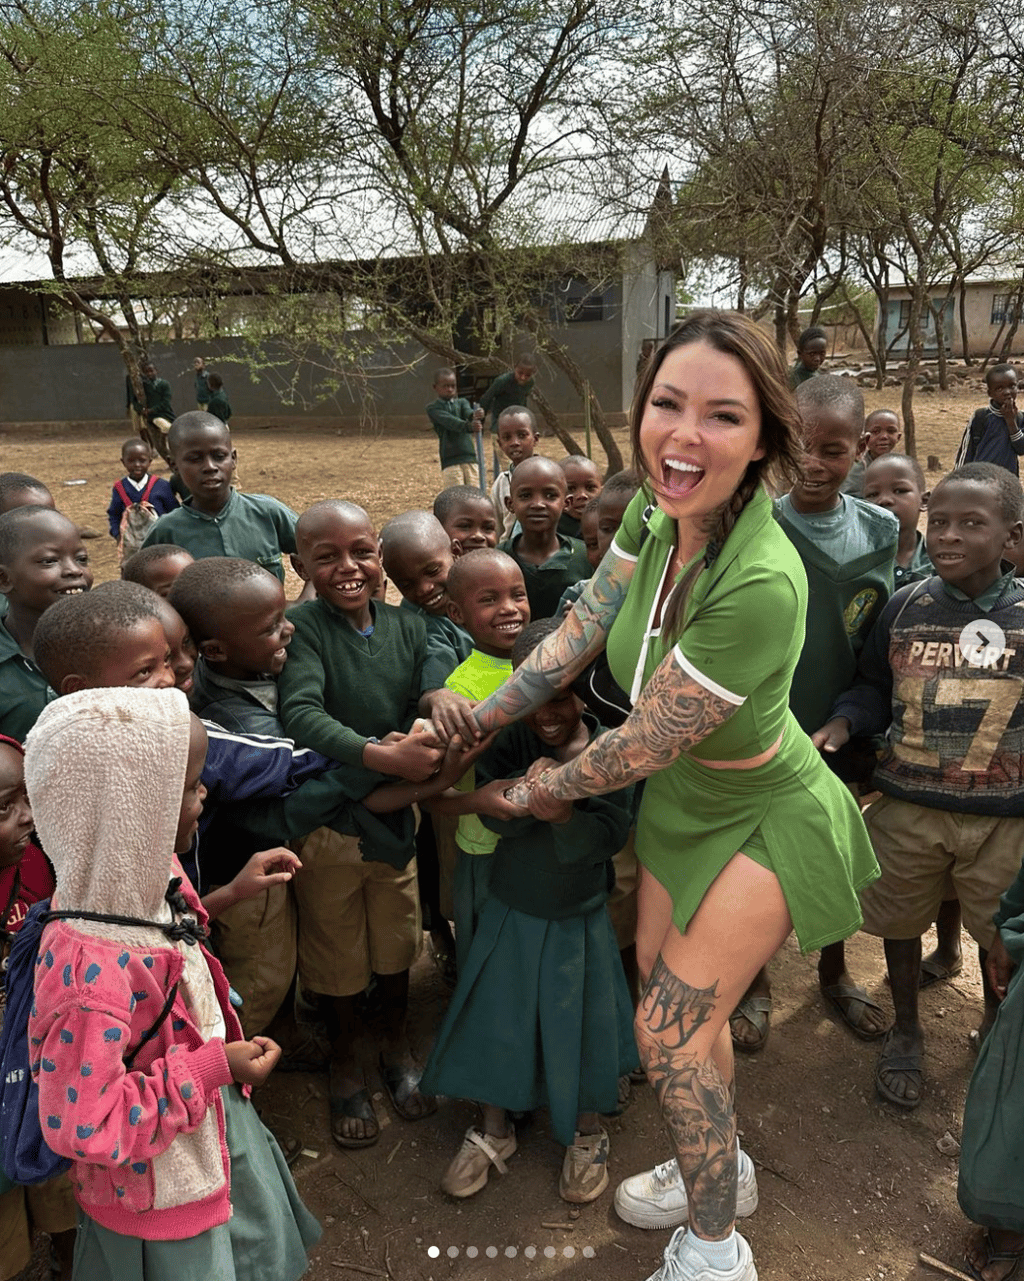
[[541, 1017], [265, 1239], [991, 1186], [791, 815]]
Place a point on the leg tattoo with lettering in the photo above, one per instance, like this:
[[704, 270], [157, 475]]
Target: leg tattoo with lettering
[[696, 1101]]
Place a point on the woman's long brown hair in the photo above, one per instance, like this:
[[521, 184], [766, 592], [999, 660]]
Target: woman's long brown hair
[[735, 335]]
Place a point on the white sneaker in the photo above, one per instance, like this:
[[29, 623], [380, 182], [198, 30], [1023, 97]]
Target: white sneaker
[[657, 1198], [683, 1263]]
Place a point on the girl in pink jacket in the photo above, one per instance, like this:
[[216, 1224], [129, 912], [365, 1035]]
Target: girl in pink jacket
[[175, 1177]]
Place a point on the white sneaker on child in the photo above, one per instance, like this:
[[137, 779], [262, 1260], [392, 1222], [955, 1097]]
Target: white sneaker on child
[[683, 1262], [657, 1198]]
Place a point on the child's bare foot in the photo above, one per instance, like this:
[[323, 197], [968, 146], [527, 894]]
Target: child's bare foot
[[994, 1254]]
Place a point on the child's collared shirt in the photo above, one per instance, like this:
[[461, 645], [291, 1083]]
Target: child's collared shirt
[[546, 583], [920, 566], [161, 498], [249, 526], [24, 691]]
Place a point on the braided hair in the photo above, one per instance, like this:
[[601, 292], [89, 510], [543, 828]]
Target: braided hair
[[735, 335]]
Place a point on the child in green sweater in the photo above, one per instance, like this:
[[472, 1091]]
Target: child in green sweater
[[353, 678], [456, 424]]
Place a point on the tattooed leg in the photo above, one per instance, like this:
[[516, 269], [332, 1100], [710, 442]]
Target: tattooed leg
[[696, 1100]]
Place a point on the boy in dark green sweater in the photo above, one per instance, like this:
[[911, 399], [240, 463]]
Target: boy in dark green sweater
[[354, 676], [456, 424], [550, 561]]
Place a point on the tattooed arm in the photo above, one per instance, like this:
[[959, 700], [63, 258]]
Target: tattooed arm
[[560, 658], [673, 713]]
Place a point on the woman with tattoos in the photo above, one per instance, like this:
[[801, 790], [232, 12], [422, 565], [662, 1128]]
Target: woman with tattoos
[[743, 833]]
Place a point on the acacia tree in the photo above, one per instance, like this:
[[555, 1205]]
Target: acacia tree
[[71, 183]]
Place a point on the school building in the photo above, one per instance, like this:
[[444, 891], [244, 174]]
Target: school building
[[985, 309], [603, 296]]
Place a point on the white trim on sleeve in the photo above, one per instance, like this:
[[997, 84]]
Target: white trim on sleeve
[[621, 554], [713, 687]]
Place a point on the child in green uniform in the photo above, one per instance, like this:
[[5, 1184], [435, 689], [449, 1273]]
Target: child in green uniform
[[811, 348], [487, 597], [218, 403], [511, 388], [42, 560], [467, 517], [881, 436], [355, 674], [156, 567], [218, 520], [456, 424], [848, 548], [541, 1015], [582, 483], [550, 561], [897, 483]]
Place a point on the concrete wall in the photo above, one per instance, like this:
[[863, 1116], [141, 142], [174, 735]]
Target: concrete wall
[[86, 382]]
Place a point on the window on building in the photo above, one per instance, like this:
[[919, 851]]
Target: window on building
[[1003, 308]]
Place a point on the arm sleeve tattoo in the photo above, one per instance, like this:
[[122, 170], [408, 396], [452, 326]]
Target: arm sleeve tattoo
[[561, 657], [672, 714]]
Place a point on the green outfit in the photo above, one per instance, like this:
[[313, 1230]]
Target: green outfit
[[266, 1238], [23, 689], [848, 558], [249, 526], [477, 678], [340, 688], [799, 374], [569, 526], [546, 583], [790, 814], [158, 399], [503, 393], [542, 1016], [452, 424], [991, 1187], [448, 645], [920, 567], [218, 406]]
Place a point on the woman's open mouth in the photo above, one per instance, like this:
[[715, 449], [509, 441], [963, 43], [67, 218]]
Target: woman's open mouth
[[678, 477]]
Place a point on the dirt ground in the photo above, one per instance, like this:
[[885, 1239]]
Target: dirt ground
[[850, 1189]]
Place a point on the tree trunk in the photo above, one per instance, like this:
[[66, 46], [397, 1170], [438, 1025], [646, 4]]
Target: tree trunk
[[572, 446], [963, 323]]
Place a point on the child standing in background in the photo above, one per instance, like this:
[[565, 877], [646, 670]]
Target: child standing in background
[[517, 439], [138, 486], [456, 424], [881, 436], [218, 402], [508, 389], [995, 433], [172, 1169], [541, 1016], [811, 348]]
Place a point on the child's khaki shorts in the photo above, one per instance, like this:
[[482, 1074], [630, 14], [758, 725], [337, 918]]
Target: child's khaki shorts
[[920, 851], [355, 918], [255, 942], [24, 1211]]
